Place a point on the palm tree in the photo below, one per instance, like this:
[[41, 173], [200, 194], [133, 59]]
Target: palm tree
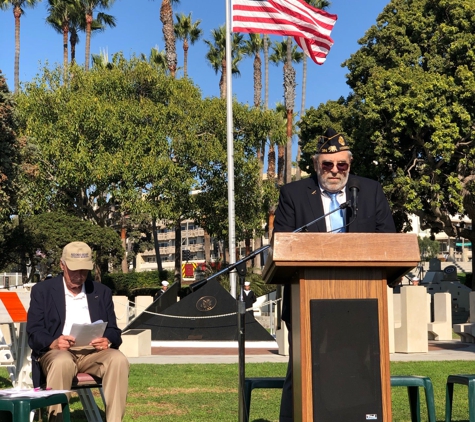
[[265, 47], [216, 55], [88, 7], [166, 17], [319, 4], [252, 47], [101, 60], [61, 15], [77, 24], [17, 6], [157, 59], [271, 152], [279, 138], [285, 52], [187, 30]]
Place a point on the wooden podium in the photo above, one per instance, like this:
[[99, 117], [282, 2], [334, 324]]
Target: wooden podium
[[340, 318]]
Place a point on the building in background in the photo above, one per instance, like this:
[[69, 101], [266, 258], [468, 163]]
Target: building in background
[[192, 248], [451, 248]]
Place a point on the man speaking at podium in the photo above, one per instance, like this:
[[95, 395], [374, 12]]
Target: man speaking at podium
[[304, 201]]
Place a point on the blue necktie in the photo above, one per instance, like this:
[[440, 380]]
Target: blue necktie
[[336, 219]]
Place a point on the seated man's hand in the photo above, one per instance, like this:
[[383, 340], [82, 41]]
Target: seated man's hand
[[63, 343], [101, 343]]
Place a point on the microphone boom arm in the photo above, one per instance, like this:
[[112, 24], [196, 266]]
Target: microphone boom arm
[[197, 284]]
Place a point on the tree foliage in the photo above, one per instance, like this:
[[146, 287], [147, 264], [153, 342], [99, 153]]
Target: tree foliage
[[429, 248], [102, 138], [43, 237], [251, 127], [10, 152], [412, 110], [126, 141]]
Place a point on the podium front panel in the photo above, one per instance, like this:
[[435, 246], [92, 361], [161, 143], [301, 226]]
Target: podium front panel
[[346, 376], [364, 288]]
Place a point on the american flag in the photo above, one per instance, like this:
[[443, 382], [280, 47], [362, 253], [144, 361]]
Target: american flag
[[310, 27]]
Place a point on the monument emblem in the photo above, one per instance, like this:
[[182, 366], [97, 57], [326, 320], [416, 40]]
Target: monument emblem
[[206, 303]]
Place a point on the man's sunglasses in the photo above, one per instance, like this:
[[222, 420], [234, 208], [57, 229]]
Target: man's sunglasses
[[328, 166]]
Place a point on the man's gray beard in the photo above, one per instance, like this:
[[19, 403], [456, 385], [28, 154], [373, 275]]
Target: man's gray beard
[[332, 189]]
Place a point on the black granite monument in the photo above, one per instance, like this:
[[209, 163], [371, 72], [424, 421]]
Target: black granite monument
[[207, 314]]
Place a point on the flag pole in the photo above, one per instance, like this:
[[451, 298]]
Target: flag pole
[[241, 314], [230, 151]]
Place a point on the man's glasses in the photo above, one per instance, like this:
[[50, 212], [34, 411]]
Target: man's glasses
[[328, 166]]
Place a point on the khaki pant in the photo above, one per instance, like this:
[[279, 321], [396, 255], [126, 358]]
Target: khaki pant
[[61, 366]]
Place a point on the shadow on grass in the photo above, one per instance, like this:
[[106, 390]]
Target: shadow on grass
[[77, 411], [5, 382]]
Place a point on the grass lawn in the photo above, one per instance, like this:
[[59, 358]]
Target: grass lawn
[[189, 393]]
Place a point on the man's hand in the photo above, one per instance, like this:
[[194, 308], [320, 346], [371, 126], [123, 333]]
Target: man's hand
[[63, 343], [99, 344]]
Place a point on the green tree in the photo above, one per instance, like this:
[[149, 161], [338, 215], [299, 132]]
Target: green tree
[[128, 140], [251, 125], [216, 55], [334, 114], [10, 156], [78, 24], [189, 32], [115, 141], [412, 111], [10, 161], [43, 237], [429, 247], [101, 133], [17, 7], [417, 102]]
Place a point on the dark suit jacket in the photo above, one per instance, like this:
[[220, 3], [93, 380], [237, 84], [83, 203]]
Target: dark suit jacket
[[301, 202], [47, 315], [249, 299]]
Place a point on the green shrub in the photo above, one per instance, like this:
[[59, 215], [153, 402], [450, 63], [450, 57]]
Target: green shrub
[[136, 283]]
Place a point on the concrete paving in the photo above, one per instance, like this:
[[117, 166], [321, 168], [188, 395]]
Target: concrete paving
[[438, 351]]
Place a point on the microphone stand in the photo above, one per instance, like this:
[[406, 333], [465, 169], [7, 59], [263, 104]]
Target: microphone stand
[[242, 411], [240, 266], [197, 284]]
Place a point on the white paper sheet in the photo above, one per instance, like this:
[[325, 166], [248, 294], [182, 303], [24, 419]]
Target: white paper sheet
[[85, 333], [33, 393]]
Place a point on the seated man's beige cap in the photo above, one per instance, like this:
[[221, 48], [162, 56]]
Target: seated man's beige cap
[[77, 256]]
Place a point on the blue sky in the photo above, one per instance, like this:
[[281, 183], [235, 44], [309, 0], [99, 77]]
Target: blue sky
[[139, 29]]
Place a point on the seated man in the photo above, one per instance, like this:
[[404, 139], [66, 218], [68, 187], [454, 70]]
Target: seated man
[[55, 305]]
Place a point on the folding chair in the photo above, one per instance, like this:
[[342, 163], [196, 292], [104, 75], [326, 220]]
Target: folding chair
[[82, 384]]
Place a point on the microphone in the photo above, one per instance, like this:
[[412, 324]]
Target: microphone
[[354, 189]]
